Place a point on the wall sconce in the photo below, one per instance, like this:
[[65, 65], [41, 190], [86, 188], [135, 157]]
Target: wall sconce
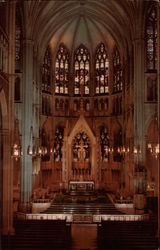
[[30, 147], [16, 151], [137, 150], [154, 149], [29, 150]]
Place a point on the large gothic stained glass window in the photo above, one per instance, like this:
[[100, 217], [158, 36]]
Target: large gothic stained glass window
[[62, 71], [46, 72], [81, 70], [117, 71], [151, 39], [101, 70]]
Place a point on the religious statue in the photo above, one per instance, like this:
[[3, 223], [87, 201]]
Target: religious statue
[[81, 152]]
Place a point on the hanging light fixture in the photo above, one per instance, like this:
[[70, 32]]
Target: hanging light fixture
[[154, 145], [30, 146], [16, 148]]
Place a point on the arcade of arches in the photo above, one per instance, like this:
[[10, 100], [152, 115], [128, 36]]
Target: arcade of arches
[[78, 99]]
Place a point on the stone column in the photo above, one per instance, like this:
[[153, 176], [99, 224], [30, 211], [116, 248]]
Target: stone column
[[26, 170], [7, 226], [139, 136], [7, 132], [139, 96]]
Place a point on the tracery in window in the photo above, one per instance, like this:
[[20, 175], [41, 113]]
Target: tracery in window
[[58, 143], [46, 72], [117, 72], [81, 147], [101, 70], [104, 141], [81, 70], [151, 39], [62, 71]]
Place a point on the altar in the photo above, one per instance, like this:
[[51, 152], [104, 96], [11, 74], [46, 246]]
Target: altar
[[81, 186]]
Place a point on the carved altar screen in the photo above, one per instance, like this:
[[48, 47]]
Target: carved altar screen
[[81, 167]]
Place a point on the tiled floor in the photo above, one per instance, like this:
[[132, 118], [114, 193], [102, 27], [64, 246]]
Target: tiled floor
[[84, 237]]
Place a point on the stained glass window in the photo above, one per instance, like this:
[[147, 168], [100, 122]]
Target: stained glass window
[[101, 70], [151, 39], [46, 72], [104, 141], [117, 71], [81, 70], [58, 143], [62, 71]]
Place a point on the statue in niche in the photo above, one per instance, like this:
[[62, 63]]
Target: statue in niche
[[81, 152], [81, 149]]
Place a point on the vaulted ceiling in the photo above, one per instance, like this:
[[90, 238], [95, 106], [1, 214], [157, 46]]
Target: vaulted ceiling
[[83, 21]]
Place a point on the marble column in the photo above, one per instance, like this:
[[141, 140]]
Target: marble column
[[8, 130], [139, 98], [139, 131], [26, 170], [7, 223]]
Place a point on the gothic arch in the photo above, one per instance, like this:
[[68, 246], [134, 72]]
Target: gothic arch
[[150, 117], [82, 126]]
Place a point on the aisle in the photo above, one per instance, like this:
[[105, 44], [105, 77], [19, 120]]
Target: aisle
[[84, 236]]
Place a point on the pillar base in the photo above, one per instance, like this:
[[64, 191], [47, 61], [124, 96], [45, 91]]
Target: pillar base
[[25, 207], [8, 231], [139, 203]]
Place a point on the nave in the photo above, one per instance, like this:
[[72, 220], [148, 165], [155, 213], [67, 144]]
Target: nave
[[83, 233]]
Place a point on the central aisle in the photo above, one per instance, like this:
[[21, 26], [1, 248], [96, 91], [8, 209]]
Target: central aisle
[[84, 237]]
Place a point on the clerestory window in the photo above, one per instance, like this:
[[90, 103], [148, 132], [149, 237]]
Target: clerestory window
[[101, 70], [62, 71], [81, 71]]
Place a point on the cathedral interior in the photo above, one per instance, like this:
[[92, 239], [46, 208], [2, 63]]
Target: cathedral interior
[[79, 110]]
